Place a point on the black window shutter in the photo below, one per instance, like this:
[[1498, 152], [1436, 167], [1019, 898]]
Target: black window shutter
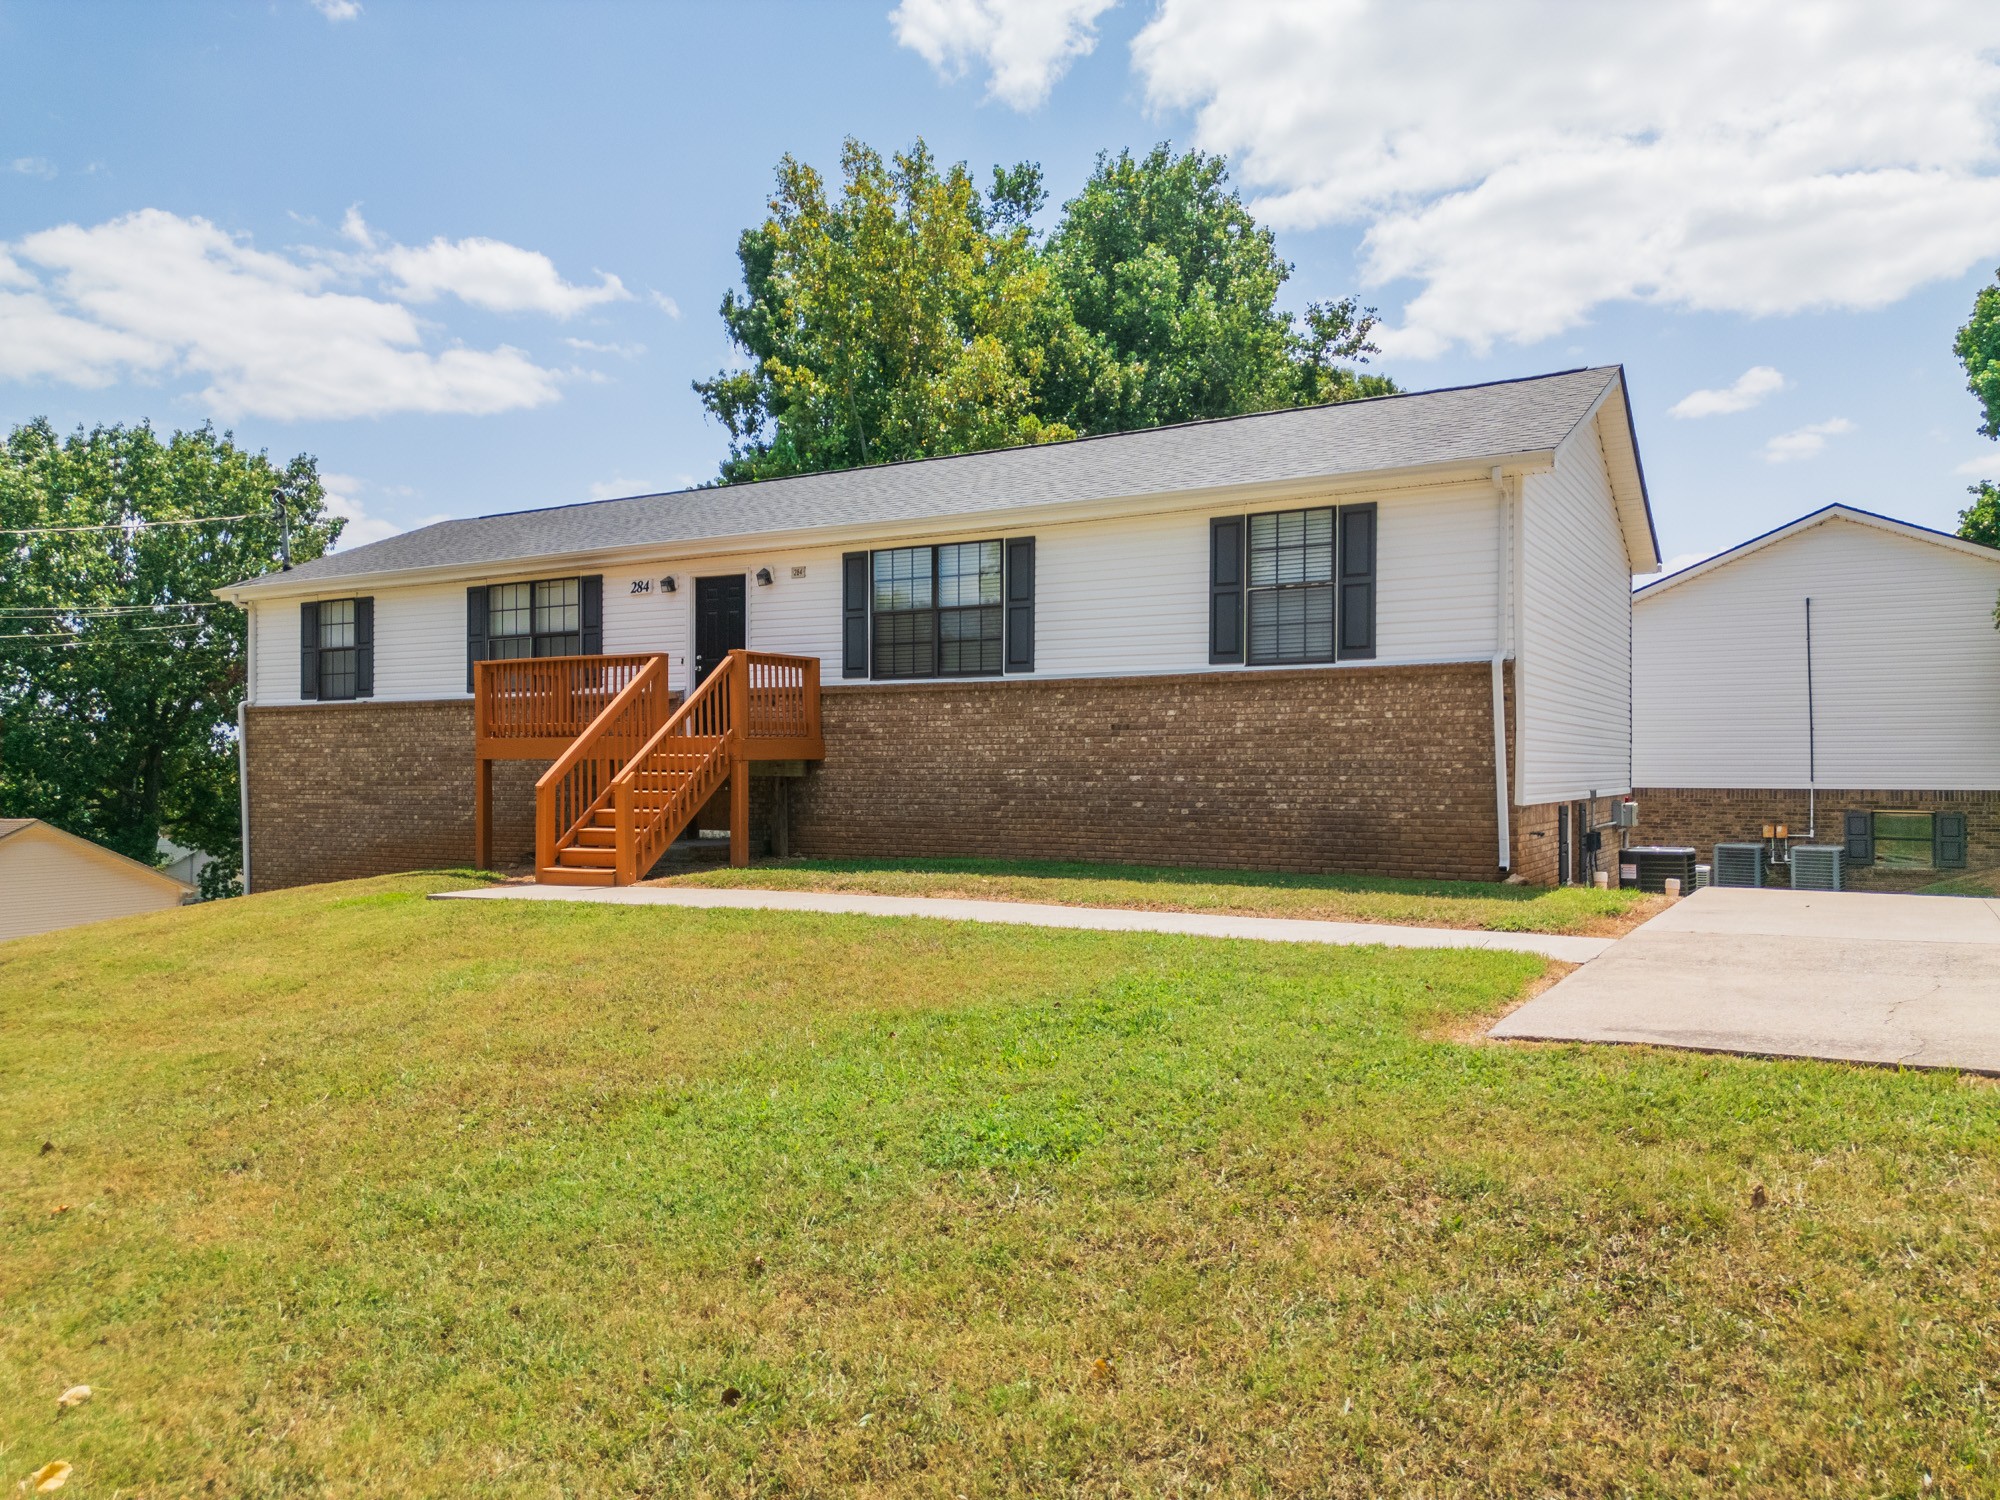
[[475, 630], [1357, 581], [1020, 591], [590, 601], [854, 614], [308, 650], [1948, 841], [1225, 589], [364, 648], [1860, 838]]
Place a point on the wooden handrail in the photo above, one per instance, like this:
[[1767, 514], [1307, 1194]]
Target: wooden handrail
[[572, 789]]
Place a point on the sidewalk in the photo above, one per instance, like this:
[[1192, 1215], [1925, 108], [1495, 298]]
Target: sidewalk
[[1571, 950]]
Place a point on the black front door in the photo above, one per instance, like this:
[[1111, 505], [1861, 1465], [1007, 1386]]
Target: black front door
[[718, 622]]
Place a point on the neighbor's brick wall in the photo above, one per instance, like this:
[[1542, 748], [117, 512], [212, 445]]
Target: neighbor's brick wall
[[1384, 770], [1704, 817], [339, 790]]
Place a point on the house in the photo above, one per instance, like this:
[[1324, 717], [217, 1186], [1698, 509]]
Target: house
[[50, 879], [1839, 675], [1389, 635]]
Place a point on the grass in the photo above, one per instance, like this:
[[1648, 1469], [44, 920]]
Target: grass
[[1333, 898], [343, 1192], [1984, 883]]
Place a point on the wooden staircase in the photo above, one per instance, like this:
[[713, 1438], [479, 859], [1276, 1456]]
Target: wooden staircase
[[639, 773]]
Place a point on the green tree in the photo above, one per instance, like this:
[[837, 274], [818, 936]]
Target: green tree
[[120, 672], [908, 317], [1176, 284], [1978, 350]]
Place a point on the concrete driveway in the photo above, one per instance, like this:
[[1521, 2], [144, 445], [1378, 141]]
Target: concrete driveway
[[1911, 980]]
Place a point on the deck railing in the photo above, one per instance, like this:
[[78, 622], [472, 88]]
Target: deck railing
[[548, 697]]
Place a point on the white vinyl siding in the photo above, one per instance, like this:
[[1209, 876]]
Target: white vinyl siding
[[1906, 667], [1127, 596], [49, 882], [1575, 614]]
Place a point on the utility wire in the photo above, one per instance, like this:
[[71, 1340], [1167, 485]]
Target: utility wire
[[92, 610], [135, 524]]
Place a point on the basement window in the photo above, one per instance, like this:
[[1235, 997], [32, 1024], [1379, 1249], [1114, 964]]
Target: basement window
[[1905, 840]]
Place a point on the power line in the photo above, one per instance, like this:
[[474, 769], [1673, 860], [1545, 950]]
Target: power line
[[71, 635], [97, 610], [133, 525]]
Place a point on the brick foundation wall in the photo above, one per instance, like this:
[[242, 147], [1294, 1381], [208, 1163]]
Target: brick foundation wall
[[1381, 770], [1376, 770], [1704, 817], [341, 790]]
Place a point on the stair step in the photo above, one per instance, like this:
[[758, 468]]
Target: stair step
[[575, 857], [597, 836], [559, 876]]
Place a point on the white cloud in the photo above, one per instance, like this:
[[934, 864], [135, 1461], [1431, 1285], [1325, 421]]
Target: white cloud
[[665, 304], [591, 346], [1985, 467], [494, 275], [34, 166], [1524, 164], [1026, 45], [1804, 442], [343, 493], [338, 10], [1749, 388], [303, 335]]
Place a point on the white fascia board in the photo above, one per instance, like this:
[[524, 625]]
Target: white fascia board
[[1422, 476]]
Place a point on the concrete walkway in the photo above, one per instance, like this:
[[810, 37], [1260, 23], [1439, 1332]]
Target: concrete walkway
[[1573, 950], [1850, 976]]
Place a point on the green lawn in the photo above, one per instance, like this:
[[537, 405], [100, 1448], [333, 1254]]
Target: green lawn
[[1984, 883], [1332, 898], [344, 1192]]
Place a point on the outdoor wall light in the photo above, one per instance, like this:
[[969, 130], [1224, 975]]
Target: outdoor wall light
[[763, 578], [667, 584]]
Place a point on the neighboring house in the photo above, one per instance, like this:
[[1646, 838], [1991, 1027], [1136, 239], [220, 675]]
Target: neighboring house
[[51, 879], [183, 864], [1290, 640], [1840, 675]]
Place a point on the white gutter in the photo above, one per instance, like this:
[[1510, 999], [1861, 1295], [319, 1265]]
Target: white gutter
[[243, 744], [1502, 578]]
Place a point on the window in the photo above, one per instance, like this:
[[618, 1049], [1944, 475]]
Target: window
[[338, 677], [1905, 840], [535, 619], [1291, 592], [937, 611]]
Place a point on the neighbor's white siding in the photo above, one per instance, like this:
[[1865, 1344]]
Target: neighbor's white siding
[[1906, 667], [1574, 611], [1112, 597], [47, 882]]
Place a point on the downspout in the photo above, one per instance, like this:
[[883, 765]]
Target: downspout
[[1502, 550], [1812, 740], [243, 746]]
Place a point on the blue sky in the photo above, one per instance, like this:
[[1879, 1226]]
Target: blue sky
[[470, 256]]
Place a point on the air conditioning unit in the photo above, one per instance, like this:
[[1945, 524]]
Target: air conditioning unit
[[1701, 881], [1816, 867], [1652, 866], [1738, 864]]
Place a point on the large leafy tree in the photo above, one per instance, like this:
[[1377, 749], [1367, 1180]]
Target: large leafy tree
[[120, 672], [1978, 349], [1176, 284], [912, 315], [905, 317]]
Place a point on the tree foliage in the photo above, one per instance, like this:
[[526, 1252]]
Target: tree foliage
[[120, 672], [1978, 349], [913, 315]]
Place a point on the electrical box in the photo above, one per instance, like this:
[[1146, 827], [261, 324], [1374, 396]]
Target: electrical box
[[1625, 814]]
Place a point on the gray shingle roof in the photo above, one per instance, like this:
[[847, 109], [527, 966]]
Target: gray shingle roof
[[1390, 432]]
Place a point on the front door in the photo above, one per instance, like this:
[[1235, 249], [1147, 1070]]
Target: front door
[[718, 622]]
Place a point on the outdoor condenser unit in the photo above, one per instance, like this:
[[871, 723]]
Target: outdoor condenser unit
[[1738, 864], [1653, 866], [1816, 867]]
